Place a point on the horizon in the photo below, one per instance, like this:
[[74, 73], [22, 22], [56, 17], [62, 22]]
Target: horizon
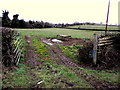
[[59, 11]]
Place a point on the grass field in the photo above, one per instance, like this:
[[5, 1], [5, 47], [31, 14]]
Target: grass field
[[95, 27], [52, 32]]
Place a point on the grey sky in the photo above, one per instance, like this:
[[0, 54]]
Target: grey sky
[[62, 11]]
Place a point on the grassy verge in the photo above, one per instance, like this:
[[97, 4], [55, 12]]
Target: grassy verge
[[18, 76]]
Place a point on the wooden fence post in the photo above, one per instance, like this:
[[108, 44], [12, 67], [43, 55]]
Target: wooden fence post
[[95, 46]]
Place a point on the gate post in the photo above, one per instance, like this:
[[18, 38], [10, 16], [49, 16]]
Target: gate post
[[95, 45]]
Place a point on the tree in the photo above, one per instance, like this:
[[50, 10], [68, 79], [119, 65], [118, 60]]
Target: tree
[[31, 22], [6, 22], [15, 22], [22, 23]]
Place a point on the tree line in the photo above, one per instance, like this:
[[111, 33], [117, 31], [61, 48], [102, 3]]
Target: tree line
[[16, 23]]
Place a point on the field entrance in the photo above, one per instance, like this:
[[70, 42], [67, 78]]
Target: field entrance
[[55, 55], [51, 64]]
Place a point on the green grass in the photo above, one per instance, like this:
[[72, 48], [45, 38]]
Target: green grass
[[95, 27], [17, 78], [52, 32], [71, 51], [54, 76], [110, 76], [20, 77], [41, 48]]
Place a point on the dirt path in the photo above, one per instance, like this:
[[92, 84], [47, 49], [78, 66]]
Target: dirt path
[[31, 56], [57, 54], [61, 59]]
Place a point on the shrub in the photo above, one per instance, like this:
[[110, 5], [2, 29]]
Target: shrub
[[7, 37], [85, 53]]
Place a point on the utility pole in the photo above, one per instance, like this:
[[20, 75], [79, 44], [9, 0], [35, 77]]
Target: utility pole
[[107, 18]]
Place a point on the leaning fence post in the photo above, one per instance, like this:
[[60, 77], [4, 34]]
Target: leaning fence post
[[95, 45]]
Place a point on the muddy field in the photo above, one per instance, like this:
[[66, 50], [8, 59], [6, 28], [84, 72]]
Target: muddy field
[[60, 58], [57, 57], [87, 44]]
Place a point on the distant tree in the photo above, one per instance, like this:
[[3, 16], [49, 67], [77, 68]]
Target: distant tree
[[37, 24], [31, 22], [15, 22], [6, 22], [67, 24], [42, 24], [76, 23], [28, 25], [22, 23], [62, 25]]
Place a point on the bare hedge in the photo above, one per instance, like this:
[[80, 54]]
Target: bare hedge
[[7, 53]]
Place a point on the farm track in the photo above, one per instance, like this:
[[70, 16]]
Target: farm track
[[61, 59], [57, 54], [31, 56]]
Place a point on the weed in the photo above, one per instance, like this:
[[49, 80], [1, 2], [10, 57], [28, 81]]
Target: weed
[[41, 49], [71, 51]]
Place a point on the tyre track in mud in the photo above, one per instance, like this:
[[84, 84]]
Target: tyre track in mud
[[57, 53], [64, 60], [32, 58]]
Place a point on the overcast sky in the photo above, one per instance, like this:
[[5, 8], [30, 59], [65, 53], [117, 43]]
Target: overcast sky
[[62, 11]]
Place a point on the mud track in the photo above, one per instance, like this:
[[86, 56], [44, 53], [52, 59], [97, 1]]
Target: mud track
[[57, 54], [31, 56]]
